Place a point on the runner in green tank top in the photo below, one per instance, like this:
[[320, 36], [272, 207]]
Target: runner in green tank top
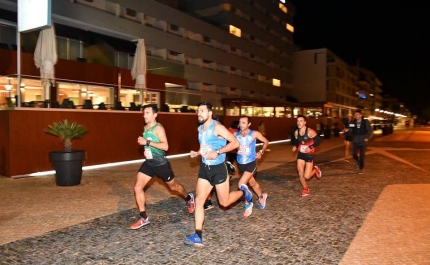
[[154, 156], [155, 145]]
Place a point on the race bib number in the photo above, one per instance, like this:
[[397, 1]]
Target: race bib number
[[351, 125], [303, 148], [148, 153], [244, 150], [204, 149]]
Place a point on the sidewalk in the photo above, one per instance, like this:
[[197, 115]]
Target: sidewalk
[[375, 218], [102, 192]]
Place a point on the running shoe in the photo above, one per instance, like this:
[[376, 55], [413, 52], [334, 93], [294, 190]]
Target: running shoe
[[262, 200], [305, 192], [346, 161], [355, 164], [360, 171], [208, 205], [318, 173], [248, 209], [194, 240], [248, 194], [191, 204], [139, 223], [230, 168]]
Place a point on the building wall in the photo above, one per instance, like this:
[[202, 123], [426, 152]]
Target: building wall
[[310, 75]]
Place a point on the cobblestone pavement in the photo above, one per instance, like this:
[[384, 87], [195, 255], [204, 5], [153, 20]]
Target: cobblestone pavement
[[317, 229]]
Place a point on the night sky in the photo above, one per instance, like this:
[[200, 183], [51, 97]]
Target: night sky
[[390, 38]]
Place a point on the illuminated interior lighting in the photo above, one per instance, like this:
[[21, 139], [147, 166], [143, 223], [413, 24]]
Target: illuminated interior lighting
[[290, 27]]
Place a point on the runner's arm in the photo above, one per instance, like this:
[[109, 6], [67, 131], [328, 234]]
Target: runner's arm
[[161, 134], [317, 139], [259, 136], [232, 144]]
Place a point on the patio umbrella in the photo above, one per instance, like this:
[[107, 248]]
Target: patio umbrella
[[45, 57], [138, 70]]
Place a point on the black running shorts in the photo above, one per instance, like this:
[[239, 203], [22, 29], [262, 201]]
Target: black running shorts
[[250, 167], [164, 172], [215, 174], [305, 157]]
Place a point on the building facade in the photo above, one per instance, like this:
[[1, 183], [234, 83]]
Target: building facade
[[217, 47], [332, 87]]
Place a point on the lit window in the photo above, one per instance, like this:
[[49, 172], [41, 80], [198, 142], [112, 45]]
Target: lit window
[[283, 8], [289, 27], [276, 82], [235, 31]]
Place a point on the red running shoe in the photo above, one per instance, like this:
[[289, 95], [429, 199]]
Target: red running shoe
[[318, 173]]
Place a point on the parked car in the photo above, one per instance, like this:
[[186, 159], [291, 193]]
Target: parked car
[[378, 124]]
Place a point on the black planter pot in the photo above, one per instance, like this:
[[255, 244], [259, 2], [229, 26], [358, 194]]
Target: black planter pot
[[68, 166]]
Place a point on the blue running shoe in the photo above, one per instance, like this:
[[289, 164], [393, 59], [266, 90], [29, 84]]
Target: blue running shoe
[[248, 194], [194, 240], [248, 209]]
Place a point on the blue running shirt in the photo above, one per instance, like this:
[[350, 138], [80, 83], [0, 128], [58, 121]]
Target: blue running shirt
[[246, 153], [209, 141]]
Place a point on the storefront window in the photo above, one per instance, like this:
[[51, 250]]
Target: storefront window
[[78, 93]]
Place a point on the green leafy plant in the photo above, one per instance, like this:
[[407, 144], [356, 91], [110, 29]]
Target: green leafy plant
[[66, 131]]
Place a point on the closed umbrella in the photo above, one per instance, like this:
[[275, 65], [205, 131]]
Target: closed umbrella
[[45, 57], [138, 70]]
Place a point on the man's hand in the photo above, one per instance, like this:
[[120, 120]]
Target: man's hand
[[294, 148], [141, 140], [194, 154], [211, 155]]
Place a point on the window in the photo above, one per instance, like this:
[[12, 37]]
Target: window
[[283, 8], [130, 12], [174, 27], [235, 31], [289, 27], [276, 82]]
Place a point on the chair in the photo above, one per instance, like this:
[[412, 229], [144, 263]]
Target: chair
[[65, 103], [102, 106], [184, 109], [88, 104], [118, 106], [133, 106], [9, 102]]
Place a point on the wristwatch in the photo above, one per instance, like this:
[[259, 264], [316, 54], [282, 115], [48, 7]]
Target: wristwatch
[[217, 152], [262, 151], [148, 142]]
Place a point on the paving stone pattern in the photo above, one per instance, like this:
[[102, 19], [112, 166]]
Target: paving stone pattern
[[316, 229]]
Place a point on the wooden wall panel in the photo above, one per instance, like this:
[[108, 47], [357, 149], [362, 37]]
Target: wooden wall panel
[[112, 135]]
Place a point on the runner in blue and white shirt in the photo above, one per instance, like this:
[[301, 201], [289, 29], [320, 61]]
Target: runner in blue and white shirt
[[247, 161]]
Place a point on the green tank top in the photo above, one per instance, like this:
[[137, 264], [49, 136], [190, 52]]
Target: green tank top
[[158, 155]]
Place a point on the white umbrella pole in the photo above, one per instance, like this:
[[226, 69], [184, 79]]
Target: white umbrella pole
[[141, 97], [48, 90]]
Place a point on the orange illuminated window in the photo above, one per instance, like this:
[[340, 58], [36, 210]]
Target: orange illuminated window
[[290, 27], [283, 8], [235, 31], [276, 82]]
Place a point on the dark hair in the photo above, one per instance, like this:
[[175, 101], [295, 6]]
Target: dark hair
[[358, 111], [154, 107], [234, 124], [249, 118], [301, 116], [207, 104], [261, 122]]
